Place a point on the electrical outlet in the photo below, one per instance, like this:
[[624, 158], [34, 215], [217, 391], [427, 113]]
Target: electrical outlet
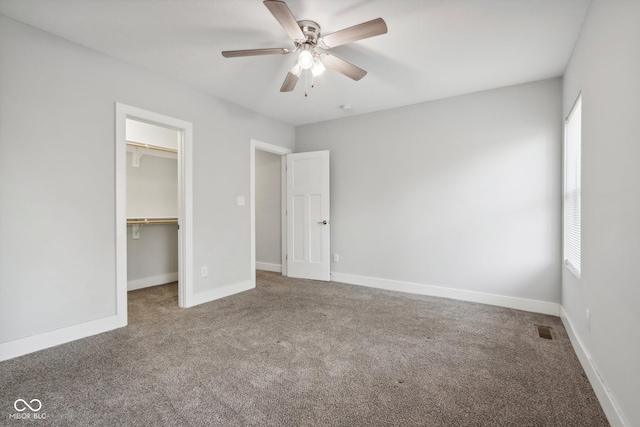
[[336, 258], [588, 314], [241, 201], [205, 272]]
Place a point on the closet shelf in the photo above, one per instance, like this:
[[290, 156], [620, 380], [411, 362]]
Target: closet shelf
[[151, 147], [145, 221]]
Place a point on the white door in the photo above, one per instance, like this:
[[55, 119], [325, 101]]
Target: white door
[[308, 215]]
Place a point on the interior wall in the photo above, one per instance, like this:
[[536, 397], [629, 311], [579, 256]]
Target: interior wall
[[152, 188], [146, 133], [57, 175], [153, 258], [461, 193], [268, 210], [605, 67]]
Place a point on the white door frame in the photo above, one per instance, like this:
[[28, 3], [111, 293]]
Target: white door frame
[[185, 203], [276, 149]]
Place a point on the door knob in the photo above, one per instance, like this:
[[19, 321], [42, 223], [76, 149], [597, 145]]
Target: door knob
[[323, 222]]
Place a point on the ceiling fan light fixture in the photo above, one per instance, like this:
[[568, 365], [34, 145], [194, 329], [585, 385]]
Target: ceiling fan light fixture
[[296, 70], [305, 59], [318, 67]]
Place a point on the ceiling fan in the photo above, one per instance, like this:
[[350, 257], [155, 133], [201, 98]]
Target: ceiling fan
[[306, 37]]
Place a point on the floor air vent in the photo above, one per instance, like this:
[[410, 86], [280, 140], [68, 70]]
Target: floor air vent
[[544, 332]]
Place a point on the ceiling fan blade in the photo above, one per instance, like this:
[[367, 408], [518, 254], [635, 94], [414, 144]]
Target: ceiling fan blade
[[357, 32], [344, 67], [281, 12], [254, 52], [289, 82]]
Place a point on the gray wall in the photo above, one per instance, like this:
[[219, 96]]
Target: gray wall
[[153, 258], [268, 208], [605, 66], [57, 178], [463, 193], [152, 188]]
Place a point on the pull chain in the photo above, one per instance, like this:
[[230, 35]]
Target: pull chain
[[306, 82]]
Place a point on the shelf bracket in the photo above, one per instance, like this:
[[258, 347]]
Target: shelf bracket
[[135, 231], [135, 157]]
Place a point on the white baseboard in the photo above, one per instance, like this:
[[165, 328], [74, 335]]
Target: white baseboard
[[146, 282], [609, 405], [534, 306], [222, 292], [268, 266], [22, 346]]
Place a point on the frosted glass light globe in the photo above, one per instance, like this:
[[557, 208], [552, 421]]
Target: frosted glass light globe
[[305, 59], [317, 68]]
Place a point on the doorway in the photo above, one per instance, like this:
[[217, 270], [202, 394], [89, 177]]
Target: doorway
[[259, 147], [152, 205], [305, 212], [184, 134], [268, 211]]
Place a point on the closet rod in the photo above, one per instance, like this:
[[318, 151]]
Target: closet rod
[[151, 147], [152, 221]]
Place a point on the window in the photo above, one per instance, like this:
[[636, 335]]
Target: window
[[571, 207]]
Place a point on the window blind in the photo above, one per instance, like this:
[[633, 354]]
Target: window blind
[[572, 172]]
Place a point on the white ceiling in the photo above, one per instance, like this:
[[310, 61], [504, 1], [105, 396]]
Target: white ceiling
[[434, 48]]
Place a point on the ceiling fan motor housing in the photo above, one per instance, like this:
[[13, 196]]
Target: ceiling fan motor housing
[[311, 31]]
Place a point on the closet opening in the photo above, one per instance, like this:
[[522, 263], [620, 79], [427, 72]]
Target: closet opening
[[154, 238], [152, 206]]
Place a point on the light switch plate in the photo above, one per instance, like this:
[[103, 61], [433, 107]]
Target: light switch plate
[[241, 201]]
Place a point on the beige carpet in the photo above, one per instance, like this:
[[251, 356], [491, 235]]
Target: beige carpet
[[305, 353]]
